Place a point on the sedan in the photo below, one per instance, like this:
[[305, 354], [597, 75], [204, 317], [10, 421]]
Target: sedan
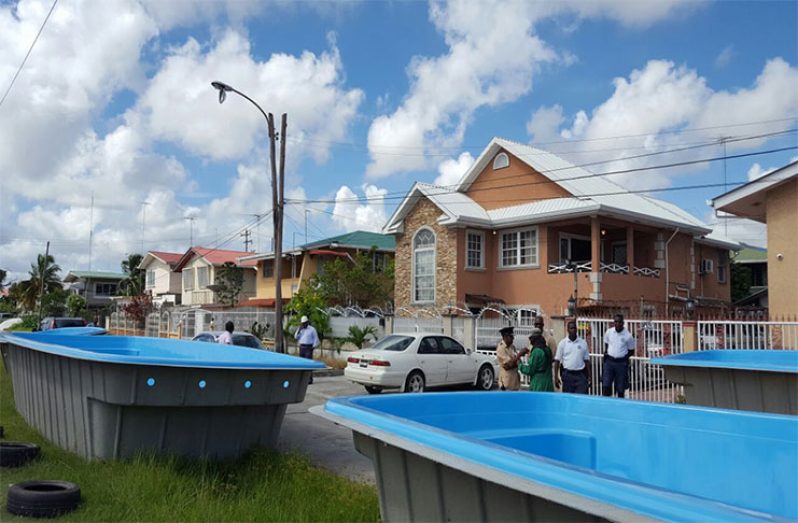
[[416, 362], [241, 339]]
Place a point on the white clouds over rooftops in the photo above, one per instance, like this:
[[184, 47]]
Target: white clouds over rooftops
[[350, 214]]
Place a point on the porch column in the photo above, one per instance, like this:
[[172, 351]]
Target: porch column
[[595, 256], [630, 249]]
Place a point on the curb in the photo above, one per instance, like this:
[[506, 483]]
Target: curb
[[328, 373]]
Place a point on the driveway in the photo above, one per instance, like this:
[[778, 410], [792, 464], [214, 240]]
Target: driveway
[[326, 444]]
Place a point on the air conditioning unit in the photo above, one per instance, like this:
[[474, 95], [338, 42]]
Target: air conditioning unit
[[707, 266]]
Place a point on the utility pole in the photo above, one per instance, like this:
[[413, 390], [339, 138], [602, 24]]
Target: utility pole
[[191, 237], [91, 228], [247, 241], [41, 280], [306, 225], [723, 140], [144, 205]]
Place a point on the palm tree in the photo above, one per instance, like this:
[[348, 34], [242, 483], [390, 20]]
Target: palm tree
[[133, 285], [45, 269], [3, 275]]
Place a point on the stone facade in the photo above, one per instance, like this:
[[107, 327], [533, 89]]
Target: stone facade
[[425, 213]]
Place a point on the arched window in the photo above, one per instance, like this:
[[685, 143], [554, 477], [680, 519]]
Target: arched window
[[424, 266], [501, 161]]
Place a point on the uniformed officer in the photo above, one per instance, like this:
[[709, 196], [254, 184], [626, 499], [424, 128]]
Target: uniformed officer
[[573, 358], [507, 357], [551, 343], [619, 346]]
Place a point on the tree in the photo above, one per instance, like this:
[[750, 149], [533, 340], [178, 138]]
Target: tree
[[359, 281], [229, 281], [138, 308], [76, 305], [54, 302], [358, 336], [45, 269], [309, 302], [740, 281], [3, 275], [133, 284]]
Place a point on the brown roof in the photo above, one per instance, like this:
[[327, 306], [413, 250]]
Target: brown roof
[[215, 257], [171, 258]]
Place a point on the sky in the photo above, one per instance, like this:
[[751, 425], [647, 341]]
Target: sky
[[112, 140]]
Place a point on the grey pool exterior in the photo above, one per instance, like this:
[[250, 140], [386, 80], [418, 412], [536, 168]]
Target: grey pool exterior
[[755, 380], [115, 409]]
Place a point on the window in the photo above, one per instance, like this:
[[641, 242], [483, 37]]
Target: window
[[396, 343], [519, 248], [268, 268], [424, 266], [188, 279], [526, 317], [104, 289], [475, 249], [722, 267], [428, 346], [202, 277], [501, 161], [449, 346], [619, 253], [574, 248], [150, 279]]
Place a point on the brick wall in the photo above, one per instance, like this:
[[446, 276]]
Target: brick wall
[[425, 213]]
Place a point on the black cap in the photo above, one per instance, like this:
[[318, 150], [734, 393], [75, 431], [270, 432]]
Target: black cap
[[506, 331]]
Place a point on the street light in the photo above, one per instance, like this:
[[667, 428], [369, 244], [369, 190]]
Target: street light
[[277, 203]]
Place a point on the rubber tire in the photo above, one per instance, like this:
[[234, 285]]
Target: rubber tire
[[414, 376], [480, 382], [16, 453], [371, 389], [43, 498]]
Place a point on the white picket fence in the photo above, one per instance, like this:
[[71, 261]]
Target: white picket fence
[[747, 335]]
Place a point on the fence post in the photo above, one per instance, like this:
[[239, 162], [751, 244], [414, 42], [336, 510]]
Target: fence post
[[470, 332], [447, 320], [388, 325], [690, 333]]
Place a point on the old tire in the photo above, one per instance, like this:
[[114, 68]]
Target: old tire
[[43, 498], [371, 389], [485, 378], [16, 454], [415, 382]]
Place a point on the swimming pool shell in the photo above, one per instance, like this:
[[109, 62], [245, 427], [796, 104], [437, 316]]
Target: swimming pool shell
[[523, 456], [757, 380], [113, 396]]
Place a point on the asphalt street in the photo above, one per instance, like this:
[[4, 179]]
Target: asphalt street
[[326, 444]]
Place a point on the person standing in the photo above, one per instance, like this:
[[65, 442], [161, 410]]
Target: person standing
[[226, 338], [507, 357], [307, 338], [572, 362], [538, 367], [619, 346], [551, 343]]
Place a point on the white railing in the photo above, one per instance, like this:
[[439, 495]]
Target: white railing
[[747, 335], [614, 268], [646, 271], [565, 267]]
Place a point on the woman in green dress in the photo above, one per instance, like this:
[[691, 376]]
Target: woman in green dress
[[538, 366]]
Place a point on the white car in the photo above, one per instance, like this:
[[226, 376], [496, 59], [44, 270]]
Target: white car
[[415, 362]]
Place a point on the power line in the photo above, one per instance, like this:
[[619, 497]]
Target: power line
[[30, 49]]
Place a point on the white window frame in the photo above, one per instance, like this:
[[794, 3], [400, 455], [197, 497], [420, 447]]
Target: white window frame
[[200, 284], [189, 280], [150, 279], [482, 250], [497, 164], [518, 231], [101, 287], [723, 258], [570, 236], [413, 251]]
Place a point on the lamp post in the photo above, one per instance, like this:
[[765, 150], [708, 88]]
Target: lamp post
[[573, 301], [277, 204]]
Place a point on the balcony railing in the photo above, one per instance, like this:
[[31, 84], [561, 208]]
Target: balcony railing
[[612, 268], [568, 268]]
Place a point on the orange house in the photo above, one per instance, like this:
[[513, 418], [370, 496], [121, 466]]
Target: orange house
[[528, 230]]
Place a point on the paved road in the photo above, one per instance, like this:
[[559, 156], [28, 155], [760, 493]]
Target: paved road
[[326, 444]]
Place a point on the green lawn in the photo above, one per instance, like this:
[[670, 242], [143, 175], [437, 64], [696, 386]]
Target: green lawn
[[263, 486]]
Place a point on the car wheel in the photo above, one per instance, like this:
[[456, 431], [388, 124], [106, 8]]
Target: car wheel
[[16, 454], [371, 389], [415, 382], [43, 499], [485, 378]]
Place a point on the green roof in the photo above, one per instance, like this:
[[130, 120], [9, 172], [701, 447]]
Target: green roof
[[751, 255], [96, 275], [358, 239]]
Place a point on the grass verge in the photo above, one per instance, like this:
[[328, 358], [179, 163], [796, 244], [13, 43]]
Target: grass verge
[[264, 485]]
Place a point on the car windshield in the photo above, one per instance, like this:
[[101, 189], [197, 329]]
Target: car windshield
[[394, 343], [246, 341], [69, 322]]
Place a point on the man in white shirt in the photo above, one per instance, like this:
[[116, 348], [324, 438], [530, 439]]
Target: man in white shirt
[[226, 338], [573, 358], [619, 346], [307, 338]]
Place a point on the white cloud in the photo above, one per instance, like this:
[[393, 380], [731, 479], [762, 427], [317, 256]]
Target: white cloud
[[181, 106], [350, 214], [544, 124], [664, 106], [450, 171], [725, 57], [630, 13]]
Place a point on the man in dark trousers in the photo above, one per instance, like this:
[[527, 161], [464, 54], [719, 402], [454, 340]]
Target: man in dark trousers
[[573, 358], [619, 346], [308, 339]]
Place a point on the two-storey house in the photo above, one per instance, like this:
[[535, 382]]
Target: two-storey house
[[98, 287], [162, 282], [198, 268]]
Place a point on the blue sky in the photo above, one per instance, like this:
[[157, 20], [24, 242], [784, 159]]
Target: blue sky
[[115, 102]]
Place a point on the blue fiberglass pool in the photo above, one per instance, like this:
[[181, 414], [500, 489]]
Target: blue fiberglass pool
[[116, 396], [540, 456], [67, 331], [758, 380]]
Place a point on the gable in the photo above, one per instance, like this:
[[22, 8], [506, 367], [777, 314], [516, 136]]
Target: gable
[[515, 184]]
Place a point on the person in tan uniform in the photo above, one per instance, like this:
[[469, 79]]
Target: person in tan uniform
[[551, 343], [507, 357]]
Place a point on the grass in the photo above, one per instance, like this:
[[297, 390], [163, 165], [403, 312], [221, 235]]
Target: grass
[[264, 485]]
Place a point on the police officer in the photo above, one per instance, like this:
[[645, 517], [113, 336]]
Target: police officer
[[619, 346], [573, 361], [507, 357]]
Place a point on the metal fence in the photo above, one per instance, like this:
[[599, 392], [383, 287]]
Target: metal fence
[[747, 335], [339, 325]]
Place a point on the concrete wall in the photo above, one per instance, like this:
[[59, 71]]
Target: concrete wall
[[782, 223]]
